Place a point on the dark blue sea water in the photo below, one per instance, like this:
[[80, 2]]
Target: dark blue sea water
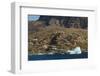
[[57, 56]]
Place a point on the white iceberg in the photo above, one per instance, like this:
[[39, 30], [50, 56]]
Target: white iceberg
[[40, 54], [77, 50], [51, 53]]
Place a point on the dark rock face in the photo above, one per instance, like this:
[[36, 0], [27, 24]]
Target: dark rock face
[[64, 21], [76, 22]]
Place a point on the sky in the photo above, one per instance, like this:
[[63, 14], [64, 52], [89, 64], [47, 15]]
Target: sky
[[33, 17]]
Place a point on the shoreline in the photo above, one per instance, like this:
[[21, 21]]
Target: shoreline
[[57, 56]]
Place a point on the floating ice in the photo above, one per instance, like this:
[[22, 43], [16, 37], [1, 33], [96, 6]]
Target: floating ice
[[77, 50], [40, 54]]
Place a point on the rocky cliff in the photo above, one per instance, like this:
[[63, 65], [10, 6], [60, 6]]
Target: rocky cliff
[[65, 21], [68, 22]]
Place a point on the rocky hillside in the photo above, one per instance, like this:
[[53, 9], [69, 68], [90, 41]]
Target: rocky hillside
[[81, 22], [63, 39], [67, 22], [54, 34]]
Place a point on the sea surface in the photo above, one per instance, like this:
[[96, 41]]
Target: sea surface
[[57, 56]]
